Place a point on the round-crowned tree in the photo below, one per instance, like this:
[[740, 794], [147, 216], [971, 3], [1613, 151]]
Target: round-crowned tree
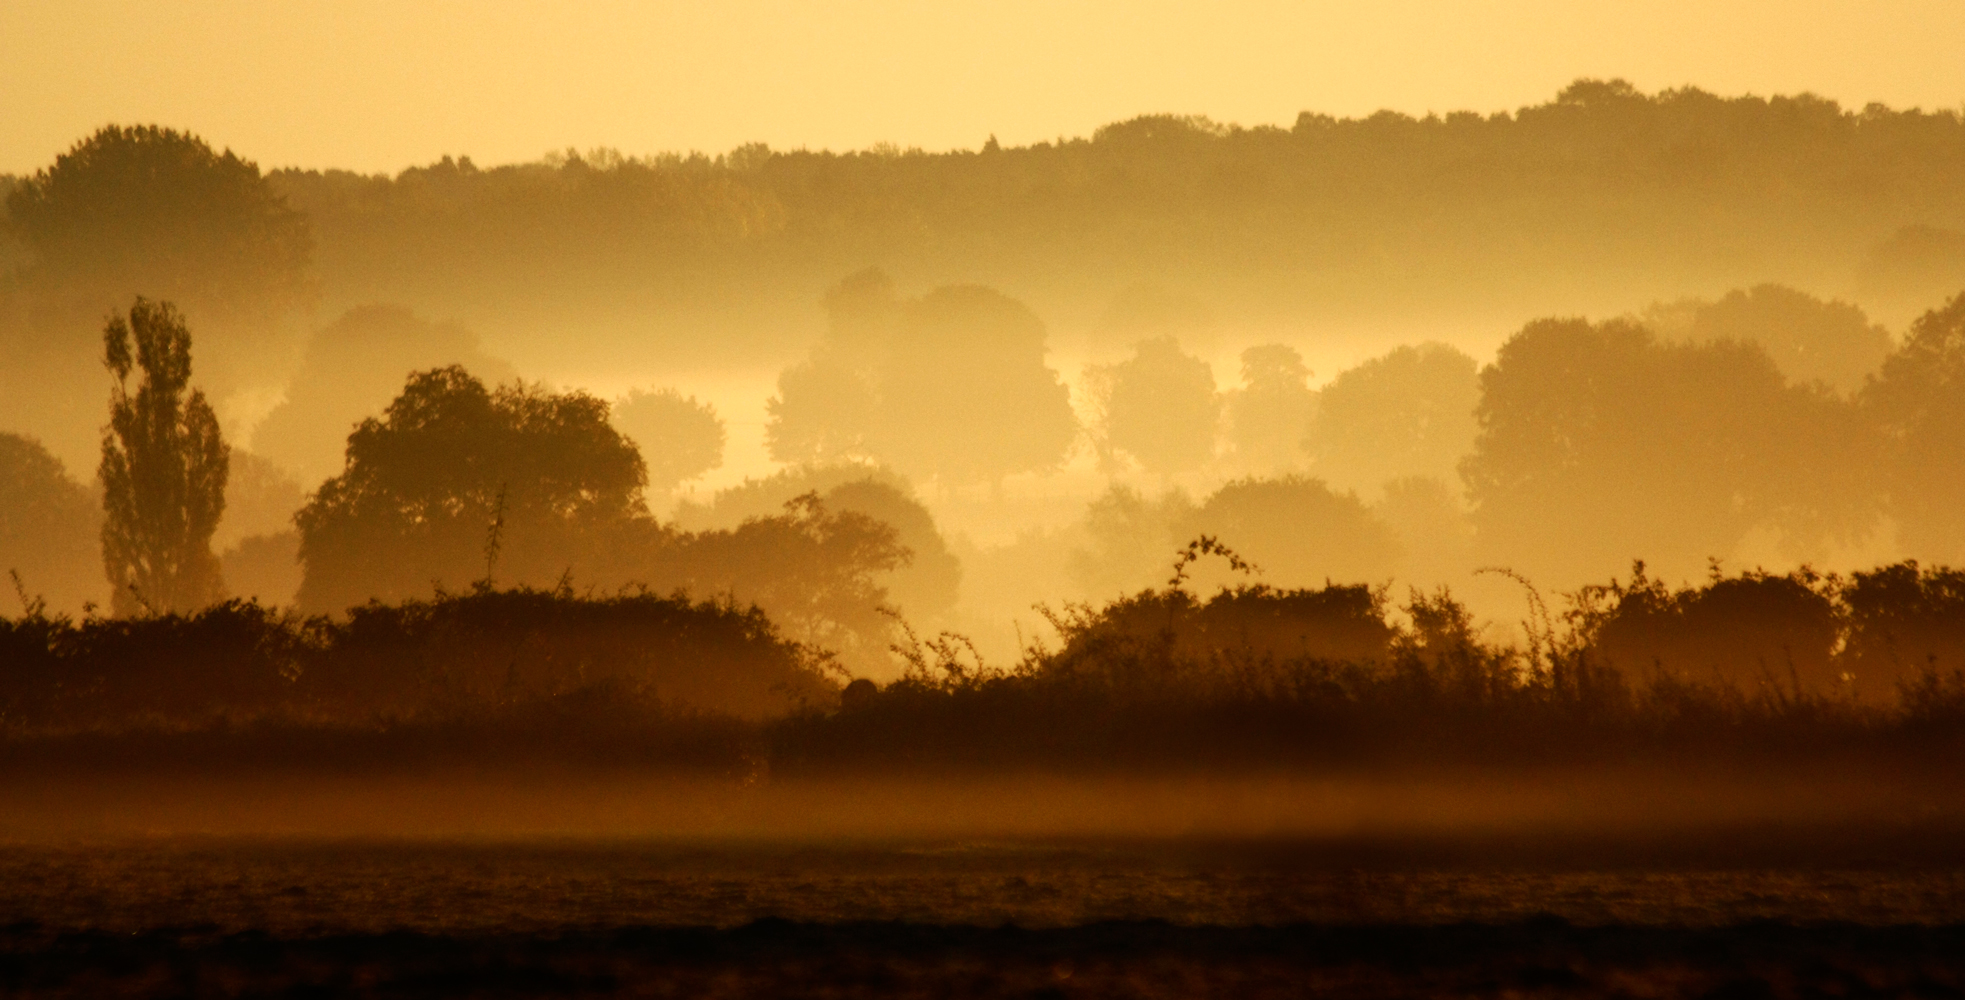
[[457, 483], [1919, 404], [148, 209], [153, 208], [952, 386], [1159, 407], [1406, 413], [680, 438], [48, 528], [1269, 416]]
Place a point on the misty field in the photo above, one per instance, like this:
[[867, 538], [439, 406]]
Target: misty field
[[225, 917]]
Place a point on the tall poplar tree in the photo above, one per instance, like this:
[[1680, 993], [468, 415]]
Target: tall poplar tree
[[163, 469]]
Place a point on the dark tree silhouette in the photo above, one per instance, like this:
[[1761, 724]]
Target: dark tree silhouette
[[1159, 407], [925, 587], [425, 483], [680, 438], [1269, 417], [1919, 402], [149, 207], [817, 572], [1760, 632], [49, 527], [1407, 413], [1902, 622], [163, 469]]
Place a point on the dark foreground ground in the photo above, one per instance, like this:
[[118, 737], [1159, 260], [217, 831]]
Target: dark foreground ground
[[1544, 957], [1739, 913]]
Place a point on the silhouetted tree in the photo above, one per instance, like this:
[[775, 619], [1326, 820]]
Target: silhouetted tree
[[49, 527], [680, 438], [951, 385], [163, 469], [1159, 407], [1757, 631], [1598, 443], [352, 368], [926, 586], [149, 207], [1809, 340], [1298, 531], [1903, 621], [815, 571], [1269, 417], [425, 485], [1407, 413], [824, 410], [1919, 402], [261, 498], [1130, 539], [965, 394]]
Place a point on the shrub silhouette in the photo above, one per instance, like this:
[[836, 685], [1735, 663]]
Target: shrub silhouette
[[1905, 626], [451, 659], [1757, 630]]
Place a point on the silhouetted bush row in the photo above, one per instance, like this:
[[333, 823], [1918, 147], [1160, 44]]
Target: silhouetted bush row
[[1792, 665], [628, 658]]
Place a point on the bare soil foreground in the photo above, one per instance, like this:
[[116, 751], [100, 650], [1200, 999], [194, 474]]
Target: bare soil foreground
[[1544, 958], [1851, 913]]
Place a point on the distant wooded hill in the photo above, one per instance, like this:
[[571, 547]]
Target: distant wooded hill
[[1596, 201]]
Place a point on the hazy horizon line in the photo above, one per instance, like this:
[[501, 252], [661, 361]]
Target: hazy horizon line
[[555, 156]]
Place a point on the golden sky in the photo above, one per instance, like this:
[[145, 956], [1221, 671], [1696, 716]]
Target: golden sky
[[377, 86]]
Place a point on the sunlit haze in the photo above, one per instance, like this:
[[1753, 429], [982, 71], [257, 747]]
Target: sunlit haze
[[379, 86]]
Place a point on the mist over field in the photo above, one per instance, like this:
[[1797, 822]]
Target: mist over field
[[1572, 485]]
